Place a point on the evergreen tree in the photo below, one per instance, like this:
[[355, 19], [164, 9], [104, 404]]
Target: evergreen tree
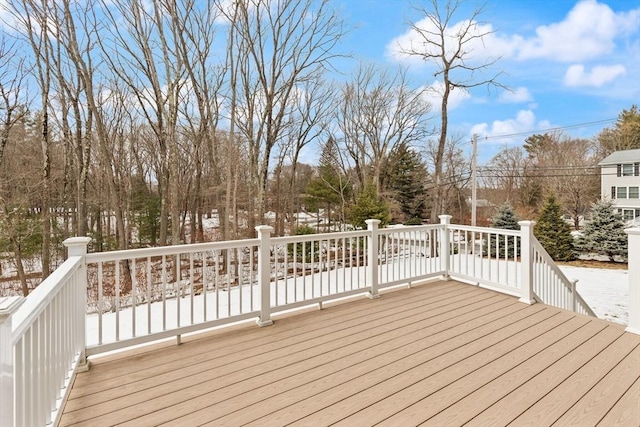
[[145, 206], [505, 219], [330, 188], [406, 177], [553, 232], [369, 206], [624, 135], [604, 234]]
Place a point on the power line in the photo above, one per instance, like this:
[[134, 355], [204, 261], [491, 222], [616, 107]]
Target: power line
[[559, 128], [540, 176]]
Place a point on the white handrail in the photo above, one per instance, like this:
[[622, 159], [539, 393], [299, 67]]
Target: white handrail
[[238, 280], [47, 342], [142, 295], [551, 286], [486, 257]]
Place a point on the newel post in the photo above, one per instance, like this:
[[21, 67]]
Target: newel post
[[634, 280], [8, 306], [445, 244], [264, 274], [526, 262], [372, 257], [77, 246]]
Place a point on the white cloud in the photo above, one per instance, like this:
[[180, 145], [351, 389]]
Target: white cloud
[[599, 75], [434, 93], [7, 21], [588, 32], [502, 131], [477, 50], [516, 96]]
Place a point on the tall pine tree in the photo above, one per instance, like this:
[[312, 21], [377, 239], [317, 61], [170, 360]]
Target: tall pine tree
[[604, 234], [406, 176], [553, 232]]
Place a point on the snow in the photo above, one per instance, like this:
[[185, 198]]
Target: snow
[[605, 290]]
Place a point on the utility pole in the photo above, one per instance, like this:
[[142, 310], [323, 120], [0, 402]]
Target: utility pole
[[474, 183]]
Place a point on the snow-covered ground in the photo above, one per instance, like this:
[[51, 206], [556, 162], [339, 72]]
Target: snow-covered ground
[[605, 290]]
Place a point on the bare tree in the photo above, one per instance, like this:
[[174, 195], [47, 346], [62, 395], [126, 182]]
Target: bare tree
[[375, 113], [455, 177], [504, 173], [73, 118], [20, 221], [77, 28], [448, 44], [277, 47], [194, 42], [12, 106], [568, 167], [307, 122], [147, 59], [34, 24]]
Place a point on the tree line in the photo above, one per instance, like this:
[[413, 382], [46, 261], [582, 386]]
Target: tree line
[[133, 122]]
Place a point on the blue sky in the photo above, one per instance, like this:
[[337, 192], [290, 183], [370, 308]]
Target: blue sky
[[568, 63]]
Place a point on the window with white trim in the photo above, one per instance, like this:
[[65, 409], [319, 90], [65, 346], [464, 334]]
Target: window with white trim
[[621, 193], [625, 192], [628, 169], [630, 214]]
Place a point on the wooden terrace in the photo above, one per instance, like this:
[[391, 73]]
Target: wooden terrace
[[442, 353]]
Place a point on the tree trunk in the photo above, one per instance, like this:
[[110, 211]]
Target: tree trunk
[[46, 193], [17, 256]]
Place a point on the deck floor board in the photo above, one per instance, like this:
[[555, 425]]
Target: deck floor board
[[441, 353]]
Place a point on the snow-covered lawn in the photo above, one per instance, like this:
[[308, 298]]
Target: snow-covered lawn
[[605, 290]]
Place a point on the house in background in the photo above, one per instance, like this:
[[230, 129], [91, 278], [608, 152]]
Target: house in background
[[620, 181]]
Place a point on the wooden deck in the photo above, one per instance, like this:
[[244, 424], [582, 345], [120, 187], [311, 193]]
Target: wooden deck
[[439, 354]]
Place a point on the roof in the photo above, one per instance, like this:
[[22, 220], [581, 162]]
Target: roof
[[621, 157], [481, 203]]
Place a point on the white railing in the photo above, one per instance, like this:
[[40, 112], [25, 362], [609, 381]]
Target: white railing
[[43, 343], [551, 286], [407, 254], [634, 280], [124, 298], [141, 295], [489, 257], [494, 257], [136, 296]]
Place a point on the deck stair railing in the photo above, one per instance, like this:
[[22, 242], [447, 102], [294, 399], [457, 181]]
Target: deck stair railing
[[551, 286], [43, 343], [495, 258], [105, 301]]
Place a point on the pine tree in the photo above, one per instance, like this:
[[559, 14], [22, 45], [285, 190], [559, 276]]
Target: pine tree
[[604, 234], [406, 177], [553, 232], [369, 206], [330, 188], [505, 219]]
